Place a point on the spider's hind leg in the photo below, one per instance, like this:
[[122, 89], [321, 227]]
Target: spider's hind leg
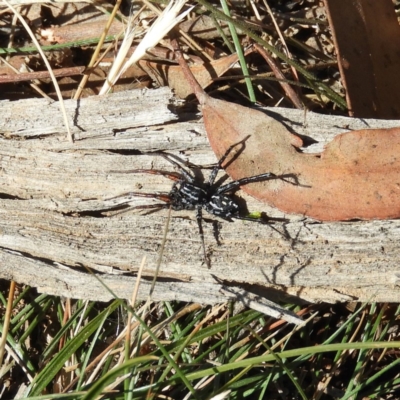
[[174, 176], [199, 218], [159, 196], [123, 206], [150, 208], [183, 172]]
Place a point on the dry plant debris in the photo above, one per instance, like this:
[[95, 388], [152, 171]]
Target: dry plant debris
[[69, 34]]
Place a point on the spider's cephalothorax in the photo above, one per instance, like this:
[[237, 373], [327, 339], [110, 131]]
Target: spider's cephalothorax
[[189, 194]]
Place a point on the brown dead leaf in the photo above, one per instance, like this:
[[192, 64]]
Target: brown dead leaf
[[357, 176]]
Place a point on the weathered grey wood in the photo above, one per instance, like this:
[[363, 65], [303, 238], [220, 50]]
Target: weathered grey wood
[[46, 183]]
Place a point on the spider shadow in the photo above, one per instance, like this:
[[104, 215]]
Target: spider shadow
[[221, 164]]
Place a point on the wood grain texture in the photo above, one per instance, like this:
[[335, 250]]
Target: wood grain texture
[[52, 192]]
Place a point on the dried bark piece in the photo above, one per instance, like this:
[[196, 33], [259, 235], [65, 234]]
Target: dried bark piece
[[57, 179]]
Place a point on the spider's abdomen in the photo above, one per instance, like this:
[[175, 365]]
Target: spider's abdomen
[[222, 206], [187, 196]]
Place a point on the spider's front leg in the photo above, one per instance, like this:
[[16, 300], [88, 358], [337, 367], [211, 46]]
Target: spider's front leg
[[244, 181], [216, 169]]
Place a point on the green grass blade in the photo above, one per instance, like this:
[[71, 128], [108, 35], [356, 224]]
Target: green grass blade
[[320, 87], [240, 54], [53, 367]]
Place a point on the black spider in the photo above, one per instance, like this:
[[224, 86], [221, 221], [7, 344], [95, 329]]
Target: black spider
[[189, 194]]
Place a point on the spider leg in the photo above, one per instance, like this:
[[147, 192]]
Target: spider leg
[[151, 207], [199, 218], [174, 176], [186, 174], [214, 172], [158, 196], [244, 181]]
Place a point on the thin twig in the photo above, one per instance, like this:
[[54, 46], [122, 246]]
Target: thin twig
[[279, 75], [96, 53], [28, 76]]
